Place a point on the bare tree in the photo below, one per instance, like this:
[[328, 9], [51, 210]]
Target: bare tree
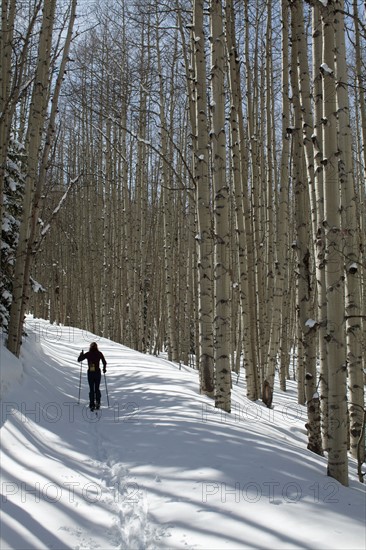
[[334, 278], [221, 214], [37, 158], [203, 199]]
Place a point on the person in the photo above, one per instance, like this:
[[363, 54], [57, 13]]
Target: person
[[94, 356]]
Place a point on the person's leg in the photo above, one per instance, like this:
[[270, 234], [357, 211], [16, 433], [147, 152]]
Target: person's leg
[[91, 380], [97, 390]]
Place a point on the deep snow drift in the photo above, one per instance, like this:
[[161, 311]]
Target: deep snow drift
[[159, 467]]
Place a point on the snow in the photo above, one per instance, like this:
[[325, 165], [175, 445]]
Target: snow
[[12, 183], [11, 371], [326, 69], [6, 295], [160, 467], [45, 230], [11, 166], [36, 287], [8, 222]]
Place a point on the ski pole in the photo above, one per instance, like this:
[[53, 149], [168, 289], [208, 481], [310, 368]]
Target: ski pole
[[106, 389], [81, 367]]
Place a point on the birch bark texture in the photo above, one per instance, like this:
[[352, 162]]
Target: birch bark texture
[[334, 273], [36, 121], [39, 139], [221, 211], [204, 208], [351, 244]]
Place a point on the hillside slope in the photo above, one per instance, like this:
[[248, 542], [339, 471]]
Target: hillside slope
[[159, 467]]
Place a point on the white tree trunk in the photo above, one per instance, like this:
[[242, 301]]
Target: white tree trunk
[[353, 245], [221, 214], [37, 116], [334, 277], [203, 200]]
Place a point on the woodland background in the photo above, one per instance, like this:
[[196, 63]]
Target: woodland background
[[189, 177]]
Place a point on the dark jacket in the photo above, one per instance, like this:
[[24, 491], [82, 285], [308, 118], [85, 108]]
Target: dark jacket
[[93, 357]]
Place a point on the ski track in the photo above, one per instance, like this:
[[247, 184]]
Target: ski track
[[119, 495], [124, 497]]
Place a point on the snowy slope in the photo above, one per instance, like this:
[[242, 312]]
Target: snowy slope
[[159, 468]]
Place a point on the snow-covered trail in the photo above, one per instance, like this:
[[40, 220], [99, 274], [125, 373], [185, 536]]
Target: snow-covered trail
[[62, 486], [159, 468]]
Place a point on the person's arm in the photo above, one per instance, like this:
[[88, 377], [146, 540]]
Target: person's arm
[[82, 356], [104, 362]]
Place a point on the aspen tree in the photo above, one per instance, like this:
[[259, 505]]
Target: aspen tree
[[319, 241], [242, 210], [8, 11], [126, 260], [278, 350], [192, 267], [167, 205], [259, 211], [39, 141], [122, 242], [280, 305], [186, 255], [86, 315], [272, 308], [307, 332], [137, 218], [221, 215], [251, 215], [352, 244], [203, 200], [183, 243], [12, 76], [36, 119], [361, 132], [334, 277], [301, 243]]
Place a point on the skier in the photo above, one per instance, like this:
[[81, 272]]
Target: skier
[[94, 356]]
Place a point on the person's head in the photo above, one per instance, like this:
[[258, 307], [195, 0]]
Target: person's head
[[93, 346]]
